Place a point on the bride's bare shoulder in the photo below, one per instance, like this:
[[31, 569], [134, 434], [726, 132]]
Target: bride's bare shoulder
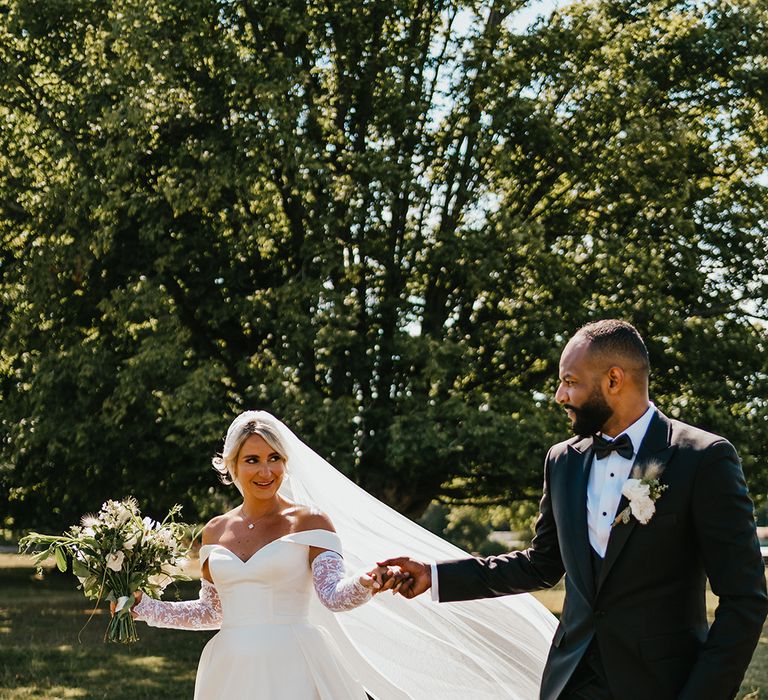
[[215, 527], [305, 518]]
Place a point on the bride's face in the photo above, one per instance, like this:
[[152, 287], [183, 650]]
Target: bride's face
[[260, 470]]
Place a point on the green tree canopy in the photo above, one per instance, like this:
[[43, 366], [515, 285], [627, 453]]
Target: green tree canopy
[[379, 220]]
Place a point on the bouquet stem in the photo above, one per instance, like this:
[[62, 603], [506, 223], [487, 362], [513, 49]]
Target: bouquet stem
[[122, 628]]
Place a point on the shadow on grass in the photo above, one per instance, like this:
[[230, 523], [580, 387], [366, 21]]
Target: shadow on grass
[[41, 656]]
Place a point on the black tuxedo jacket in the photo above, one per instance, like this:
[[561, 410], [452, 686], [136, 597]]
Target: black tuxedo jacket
[[647, 610]]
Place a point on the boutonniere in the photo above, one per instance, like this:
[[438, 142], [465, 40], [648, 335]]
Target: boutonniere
[[642, 490]]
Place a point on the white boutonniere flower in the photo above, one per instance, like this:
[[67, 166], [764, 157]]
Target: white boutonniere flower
[[642, 490]]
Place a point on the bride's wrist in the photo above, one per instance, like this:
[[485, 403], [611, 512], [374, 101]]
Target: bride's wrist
[[136, 608]]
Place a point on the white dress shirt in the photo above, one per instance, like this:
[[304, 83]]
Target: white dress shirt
[[606, 479]]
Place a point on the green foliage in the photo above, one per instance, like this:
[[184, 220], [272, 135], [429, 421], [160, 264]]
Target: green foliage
[[466, 528], [518, 516], [470, 527], [379, 221], [435, 518]]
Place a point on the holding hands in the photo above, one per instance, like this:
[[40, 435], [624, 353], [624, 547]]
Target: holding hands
[[384, 578], [402, 575], [414, 577]]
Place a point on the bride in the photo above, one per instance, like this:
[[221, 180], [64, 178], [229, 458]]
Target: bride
[[261, 560]]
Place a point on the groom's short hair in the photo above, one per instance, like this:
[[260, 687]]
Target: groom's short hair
[[614, 339]]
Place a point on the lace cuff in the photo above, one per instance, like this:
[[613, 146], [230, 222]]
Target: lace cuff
[[201, 614], [336, 591]]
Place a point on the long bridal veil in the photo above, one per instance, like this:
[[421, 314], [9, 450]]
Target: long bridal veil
[[417, 649]]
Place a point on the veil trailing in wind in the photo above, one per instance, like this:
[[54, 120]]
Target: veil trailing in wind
[[415, 649]]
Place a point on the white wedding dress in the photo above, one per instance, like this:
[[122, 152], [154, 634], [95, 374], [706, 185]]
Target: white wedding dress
[[266, 646]]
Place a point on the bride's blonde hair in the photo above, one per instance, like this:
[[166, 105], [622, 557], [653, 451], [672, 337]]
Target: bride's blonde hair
[[245, 425]]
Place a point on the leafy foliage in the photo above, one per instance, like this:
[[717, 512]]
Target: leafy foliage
[[378, 220]]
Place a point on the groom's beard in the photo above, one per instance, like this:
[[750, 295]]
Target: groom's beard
[[592, 415]]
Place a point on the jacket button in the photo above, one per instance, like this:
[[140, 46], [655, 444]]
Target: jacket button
[[599, 613]]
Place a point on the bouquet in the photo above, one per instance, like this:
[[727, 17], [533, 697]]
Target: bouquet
[[116, 553]]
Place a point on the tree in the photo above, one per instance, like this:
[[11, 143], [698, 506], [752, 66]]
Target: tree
[[378, 220]]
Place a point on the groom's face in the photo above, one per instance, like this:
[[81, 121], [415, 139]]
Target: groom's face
[[581, 390], [592, 415]]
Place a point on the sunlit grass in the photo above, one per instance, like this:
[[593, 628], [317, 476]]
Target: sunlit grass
[[41, 657]]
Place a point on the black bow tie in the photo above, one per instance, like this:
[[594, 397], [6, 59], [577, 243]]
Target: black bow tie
[[622, 445]]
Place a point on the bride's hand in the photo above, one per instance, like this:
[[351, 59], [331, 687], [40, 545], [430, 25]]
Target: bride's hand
[[373, 578], [137, 597], [383, 578]]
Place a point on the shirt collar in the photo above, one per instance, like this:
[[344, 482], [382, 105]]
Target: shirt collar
[[637, 430]]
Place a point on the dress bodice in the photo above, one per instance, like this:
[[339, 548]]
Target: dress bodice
[[273, 586]]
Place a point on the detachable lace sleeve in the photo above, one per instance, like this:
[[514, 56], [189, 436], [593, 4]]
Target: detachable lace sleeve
[[201, 614], [336, 591]]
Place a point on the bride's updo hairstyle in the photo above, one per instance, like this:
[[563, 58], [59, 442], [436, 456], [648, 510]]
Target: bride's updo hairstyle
[[245, 425]]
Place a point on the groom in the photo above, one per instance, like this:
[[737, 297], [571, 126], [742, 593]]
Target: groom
[[634, 623]]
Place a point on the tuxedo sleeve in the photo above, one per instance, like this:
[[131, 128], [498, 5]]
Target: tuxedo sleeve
[[539, 566], [725, 528]]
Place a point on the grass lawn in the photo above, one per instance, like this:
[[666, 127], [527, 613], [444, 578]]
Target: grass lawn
[[41, 657]]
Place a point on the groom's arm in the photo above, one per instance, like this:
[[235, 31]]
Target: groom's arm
[[725, 527], [539, 566]]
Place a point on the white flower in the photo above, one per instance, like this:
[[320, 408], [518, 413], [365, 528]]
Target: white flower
[[165, 537], [643, 509], [168, 572], [171, 569], [642, 494], [123, 515], [148, 531], [115, 514], [161, 580], [115, 561], [635, 489], [132, 541]]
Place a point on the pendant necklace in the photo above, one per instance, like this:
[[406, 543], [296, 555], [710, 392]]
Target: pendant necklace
[[249, 522]]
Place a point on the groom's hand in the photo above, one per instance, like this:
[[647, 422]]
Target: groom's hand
[[420, 575]]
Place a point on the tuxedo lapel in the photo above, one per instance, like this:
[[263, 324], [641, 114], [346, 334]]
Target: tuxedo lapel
[[654, 447], [579, 463]]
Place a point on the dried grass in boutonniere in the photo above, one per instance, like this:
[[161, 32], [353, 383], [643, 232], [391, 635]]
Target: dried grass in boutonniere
[[642, 490]]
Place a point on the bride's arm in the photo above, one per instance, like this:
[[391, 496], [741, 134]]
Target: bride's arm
[[201, 614], [336, 590]]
